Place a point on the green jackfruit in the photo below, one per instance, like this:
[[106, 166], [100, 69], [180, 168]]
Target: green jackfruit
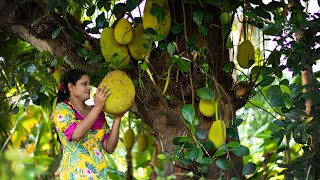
[[142, 142], [207, 107], [122, 92], [113, 52], [156, 15], [218, 133], [128, 139], [245, 54], [140, 47], [123, 32]]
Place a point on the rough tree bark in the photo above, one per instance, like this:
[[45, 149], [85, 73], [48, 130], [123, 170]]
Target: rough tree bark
[[161, 114]]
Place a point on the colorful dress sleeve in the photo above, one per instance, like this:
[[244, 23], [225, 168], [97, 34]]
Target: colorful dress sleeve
[[65, 120]]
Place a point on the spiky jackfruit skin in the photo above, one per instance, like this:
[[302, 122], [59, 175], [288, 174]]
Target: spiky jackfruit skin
[[149, 21], [123, 32], [142, 142], [140, 47], [113, 52], [122, 92], [207, 107], [218, 133], [128, 139], [245, 54]]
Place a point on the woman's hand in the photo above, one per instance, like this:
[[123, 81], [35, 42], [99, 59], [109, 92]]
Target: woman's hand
[[118, 117], [101, 96]]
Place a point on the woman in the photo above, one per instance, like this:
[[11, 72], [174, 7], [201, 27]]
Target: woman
[[82, 129]]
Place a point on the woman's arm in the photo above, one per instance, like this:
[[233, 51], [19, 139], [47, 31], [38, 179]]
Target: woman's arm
[[84, 126], [111, 142]]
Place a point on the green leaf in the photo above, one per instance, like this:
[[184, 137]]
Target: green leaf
[[161, 156], [266, 81], [206, 161], [205, 67], [183, 64], [223, 163], [203, 30], [35, 22], [241, 151], [192, 154], [279, 123], [205, 93], [233, 144], [56, 32], [119, 9], [144, 66], [295, 89], [91, 10], [229, 67], [201, 134], [266, 71], [285, 89], [171, 48], [249, 168], [238, 122], [181, 140], [151, 31], [220, 152], [101, 21], [188, 113], [162, 46], [158, 37], [197, 17], [196, 121]]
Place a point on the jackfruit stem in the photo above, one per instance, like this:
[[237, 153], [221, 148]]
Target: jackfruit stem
[[216, 108], [167, 80]]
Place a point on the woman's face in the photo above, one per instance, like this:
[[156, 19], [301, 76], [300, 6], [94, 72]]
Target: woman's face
[[81, 90]]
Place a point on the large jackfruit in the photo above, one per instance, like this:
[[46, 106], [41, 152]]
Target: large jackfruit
[[128, 139], [113, 52], [161, 22], [123, 32], [245, 54], [140, 46], [122, 92], [218, 133]]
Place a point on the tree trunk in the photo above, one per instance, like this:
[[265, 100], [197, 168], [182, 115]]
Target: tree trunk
[[162, 114]]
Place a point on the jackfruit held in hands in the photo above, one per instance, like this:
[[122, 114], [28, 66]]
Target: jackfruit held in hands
[[245, 54], [123, 32], [156, 15], [122, 92], [142, 142], [113, 52], [218, 133], [207, 107], [140, 46], [128, 139]]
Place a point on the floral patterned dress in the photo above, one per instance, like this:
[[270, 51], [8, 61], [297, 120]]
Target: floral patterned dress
[[83, 159]]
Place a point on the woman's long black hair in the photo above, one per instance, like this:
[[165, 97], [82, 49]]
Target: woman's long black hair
[[71, 76]]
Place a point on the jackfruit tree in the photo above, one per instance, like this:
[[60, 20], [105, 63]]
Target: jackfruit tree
[[192, 63]]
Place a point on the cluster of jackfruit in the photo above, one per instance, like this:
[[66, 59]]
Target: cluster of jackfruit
[[129, 140], [217, 132], [123, 42]]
